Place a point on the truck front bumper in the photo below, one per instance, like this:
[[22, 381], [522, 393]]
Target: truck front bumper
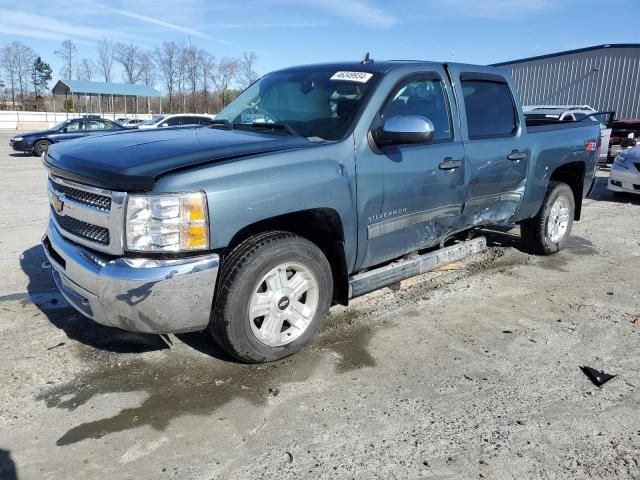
[[136, 294]]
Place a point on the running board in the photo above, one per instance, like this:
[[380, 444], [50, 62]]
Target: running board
[[371, 280]]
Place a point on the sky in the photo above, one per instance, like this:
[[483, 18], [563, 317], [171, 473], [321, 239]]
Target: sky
[[291, 32]]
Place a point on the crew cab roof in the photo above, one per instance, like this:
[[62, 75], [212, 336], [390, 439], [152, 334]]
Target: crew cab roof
[[385, 66]]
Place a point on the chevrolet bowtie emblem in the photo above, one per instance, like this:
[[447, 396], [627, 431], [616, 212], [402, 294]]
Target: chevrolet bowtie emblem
[[58, 204]]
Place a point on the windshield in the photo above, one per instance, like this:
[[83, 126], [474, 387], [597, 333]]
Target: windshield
[[316, 104], [60, 126], [153, 120]]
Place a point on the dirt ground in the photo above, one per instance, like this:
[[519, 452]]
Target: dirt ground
[[472, 374]]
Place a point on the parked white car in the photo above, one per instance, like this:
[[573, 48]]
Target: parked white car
[[131, 122], [625, 172], [176, 120]]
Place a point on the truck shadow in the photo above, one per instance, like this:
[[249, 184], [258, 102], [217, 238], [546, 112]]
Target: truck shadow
[[192, 385], [42, 292], [7, 466], [503, 236]]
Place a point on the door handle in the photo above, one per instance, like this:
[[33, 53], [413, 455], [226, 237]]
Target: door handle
[[516, 155], [449, 164]]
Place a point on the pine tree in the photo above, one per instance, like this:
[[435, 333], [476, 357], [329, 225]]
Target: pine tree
[[40, 77]]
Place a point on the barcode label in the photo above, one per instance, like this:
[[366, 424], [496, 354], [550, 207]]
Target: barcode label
[[360, 77]]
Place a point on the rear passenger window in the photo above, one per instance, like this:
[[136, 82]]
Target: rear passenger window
[[489, 107], [424, 97], [174, 121]]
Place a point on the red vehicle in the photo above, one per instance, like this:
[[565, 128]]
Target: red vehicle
[[624, 134]]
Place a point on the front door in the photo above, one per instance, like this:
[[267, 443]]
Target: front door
[[423, 184], [74, 129]]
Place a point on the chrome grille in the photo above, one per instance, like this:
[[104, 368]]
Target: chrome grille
[[101, 202], [83, 229], [89, 216]]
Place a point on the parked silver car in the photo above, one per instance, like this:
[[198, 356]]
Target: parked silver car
[[625, 172]]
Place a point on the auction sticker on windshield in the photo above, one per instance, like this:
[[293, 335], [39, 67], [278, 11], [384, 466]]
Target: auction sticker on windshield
[[360, 77]]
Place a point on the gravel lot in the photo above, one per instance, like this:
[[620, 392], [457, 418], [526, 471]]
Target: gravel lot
[[472, 374]]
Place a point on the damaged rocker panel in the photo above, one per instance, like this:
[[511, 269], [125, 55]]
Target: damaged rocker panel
[[508, 197]]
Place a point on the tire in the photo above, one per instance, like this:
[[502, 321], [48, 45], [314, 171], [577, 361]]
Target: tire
[[259, 276], [40, 147], [547, 233]]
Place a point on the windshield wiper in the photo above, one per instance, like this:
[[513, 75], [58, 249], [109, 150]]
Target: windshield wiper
[[216, 122], [281, 126]]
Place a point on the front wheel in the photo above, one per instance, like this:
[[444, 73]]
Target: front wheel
[[40, 147], [274, 290], [548, 232]]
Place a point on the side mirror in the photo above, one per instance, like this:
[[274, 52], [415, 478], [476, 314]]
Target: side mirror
[[65, 129], [164, 124], [404, 129]]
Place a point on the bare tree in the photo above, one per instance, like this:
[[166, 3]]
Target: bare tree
[[147, 72], [207, 68], [105, 49], [147, 69], [9, 66], [24, 58], [182, 75], [166, 57], [192, 58], [3, 93], [67, 54], [225, 75], [128, 55], [86, 69], [247, 73]]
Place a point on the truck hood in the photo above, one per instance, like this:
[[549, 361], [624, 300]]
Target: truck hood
[[133, 160]]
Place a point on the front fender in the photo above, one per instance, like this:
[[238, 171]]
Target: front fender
[[245, 191]]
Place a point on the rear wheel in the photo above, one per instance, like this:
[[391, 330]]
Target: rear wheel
[[40, 147], [274, 290], [548, 232]]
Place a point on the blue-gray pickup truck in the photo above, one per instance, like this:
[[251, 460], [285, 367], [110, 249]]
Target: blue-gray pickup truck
[[317, 184]]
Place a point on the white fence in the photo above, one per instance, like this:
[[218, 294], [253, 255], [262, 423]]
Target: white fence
[[21, 121]]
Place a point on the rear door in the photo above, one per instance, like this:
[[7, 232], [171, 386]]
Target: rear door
[[497, 155], [97, 126]]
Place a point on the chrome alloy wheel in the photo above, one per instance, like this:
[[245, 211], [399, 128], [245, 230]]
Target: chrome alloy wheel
[[283, 304], [558, 220]]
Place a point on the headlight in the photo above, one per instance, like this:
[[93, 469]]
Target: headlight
[[167, 222], [619, 160], [18, 139]]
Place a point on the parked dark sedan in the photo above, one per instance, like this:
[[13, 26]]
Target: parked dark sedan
[[38, 143]]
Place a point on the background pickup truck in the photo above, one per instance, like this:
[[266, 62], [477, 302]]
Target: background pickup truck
[[311, 188]]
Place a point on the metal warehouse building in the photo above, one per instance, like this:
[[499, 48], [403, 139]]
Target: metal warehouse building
[[606, 77]]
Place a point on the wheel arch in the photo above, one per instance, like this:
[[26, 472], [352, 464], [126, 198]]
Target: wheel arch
[[321, 226], [573, 175]]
